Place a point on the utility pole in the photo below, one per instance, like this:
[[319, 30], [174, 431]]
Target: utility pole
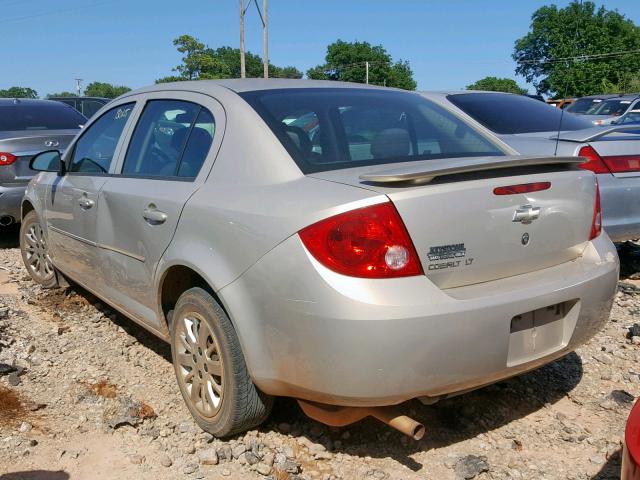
[[78, 86], [367, 74], [265, 30], [243, 70]]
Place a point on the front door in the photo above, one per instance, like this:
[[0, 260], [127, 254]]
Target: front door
[[141, 205], [73, 201]]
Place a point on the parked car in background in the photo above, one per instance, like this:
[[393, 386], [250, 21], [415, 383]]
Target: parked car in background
[[28, 127], [632, 117], [608, 110], [322, 241], [561, 102], [87, 106], [531, 128], [631, 446], [581, 105]]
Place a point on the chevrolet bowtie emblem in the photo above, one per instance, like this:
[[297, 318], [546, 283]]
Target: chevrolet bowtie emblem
[[526, 214]]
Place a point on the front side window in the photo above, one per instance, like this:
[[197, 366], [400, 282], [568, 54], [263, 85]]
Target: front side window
[[612, 107], [95, 149], [172, 139], [329, 129]]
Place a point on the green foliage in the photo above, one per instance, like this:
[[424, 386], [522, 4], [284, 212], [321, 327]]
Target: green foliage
[[18, 92], [578, 29], [200, 62], [100, 89], [495, 84], [62, 94], [346, 61]]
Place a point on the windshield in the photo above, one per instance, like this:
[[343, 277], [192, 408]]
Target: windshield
[[509, 114], [609, 107], [581, 105], [334, 128], [39, 116], [631, 117]]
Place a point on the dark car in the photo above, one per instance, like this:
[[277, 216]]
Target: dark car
[[87, 106], [28, 127]]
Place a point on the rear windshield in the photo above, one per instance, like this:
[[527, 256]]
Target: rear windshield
[[39, 116], [581, 105], [334, 128], [509, 114], [609, 107]]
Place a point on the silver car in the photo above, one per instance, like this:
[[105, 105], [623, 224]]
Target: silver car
[[531, 128], [28, 127], [352, 247]]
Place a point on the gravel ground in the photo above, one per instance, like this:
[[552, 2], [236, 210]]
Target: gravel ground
[[85, 393]]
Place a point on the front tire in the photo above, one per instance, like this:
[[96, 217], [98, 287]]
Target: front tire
[[210, 368], [35, 251]]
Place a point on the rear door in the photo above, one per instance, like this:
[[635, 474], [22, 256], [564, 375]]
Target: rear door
[[168, 157], [72, 201]]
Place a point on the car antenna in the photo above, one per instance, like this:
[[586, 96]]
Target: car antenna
[[566, 87]]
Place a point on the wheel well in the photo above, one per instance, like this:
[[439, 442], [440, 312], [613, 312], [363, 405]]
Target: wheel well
[[177, 280], [26, 208]]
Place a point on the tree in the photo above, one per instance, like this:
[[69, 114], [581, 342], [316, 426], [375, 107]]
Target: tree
[[549, 55], [101, 89], [495, 84], [18, 92], [200, 62], [346, 61], [62, 94]]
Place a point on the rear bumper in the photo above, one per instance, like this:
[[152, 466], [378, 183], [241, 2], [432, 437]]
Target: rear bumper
[[10, 200], [620, 198], [310, 333]]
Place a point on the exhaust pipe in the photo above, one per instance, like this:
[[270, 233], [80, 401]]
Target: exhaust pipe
[[6, 220], [336, 416]]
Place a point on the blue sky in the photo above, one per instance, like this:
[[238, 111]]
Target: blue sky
[[452, 43]]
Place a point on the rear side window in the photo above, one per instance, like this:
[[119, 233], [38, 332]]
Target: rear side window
[[510, 114], [334, 128], [172, 139], [41, 115], [94, 150]]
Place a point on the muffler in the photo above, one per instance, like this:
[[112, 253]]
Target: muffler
[[336, 416], [6, 220]]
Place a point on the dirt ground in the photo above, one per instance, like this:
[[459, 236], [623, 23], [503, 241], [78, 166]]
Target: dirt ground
[[86, 394]]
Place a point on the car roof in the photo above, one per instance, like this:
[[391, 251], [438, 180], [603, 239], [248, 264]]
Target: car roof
[[27, 101], [240, 85], [80, 98]]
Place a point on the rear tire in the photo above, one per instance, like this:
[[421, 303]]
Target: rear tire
[[35, 251], [210, 368]]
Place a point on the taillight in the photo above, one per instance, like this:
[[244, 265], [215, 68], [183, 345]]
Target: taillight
[[596, 223], [522, 188], [622, 163], [595, 163], [7, 158], [370, 242]]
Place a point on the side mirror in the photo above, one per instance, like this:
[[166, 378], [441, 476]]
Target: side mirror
[[49, 161]]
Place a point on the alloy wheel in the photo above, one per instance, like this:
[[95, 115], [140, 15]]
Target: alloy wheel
[[199, 364], [37, 254]]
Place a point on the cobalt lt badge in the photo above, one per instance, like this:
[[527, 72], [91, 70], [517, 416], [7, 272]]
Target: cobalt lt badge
[[525, 239]]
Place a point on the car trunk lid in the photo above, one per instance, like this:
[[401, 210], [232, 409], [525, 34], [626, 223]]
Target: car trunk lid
[[464, 233], [24, 145]]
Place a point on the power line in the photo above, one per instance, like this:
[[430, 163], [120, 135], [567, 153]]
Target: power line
[[594, 56]]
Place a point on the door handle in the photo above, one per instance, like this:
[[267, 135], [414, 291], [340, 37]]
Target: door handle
[[153, 216], [86, 203]]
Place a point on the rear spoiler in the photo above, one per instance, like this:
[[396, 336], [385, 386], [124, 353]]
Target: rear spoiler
[[426, 171], [587, 135]]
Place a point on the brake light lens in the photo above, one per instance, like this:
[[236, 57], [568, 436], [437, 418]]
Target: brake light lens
[[596, 223], [622, 163], [522, 188], [595, 162], [369, 242], [7, 158]]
